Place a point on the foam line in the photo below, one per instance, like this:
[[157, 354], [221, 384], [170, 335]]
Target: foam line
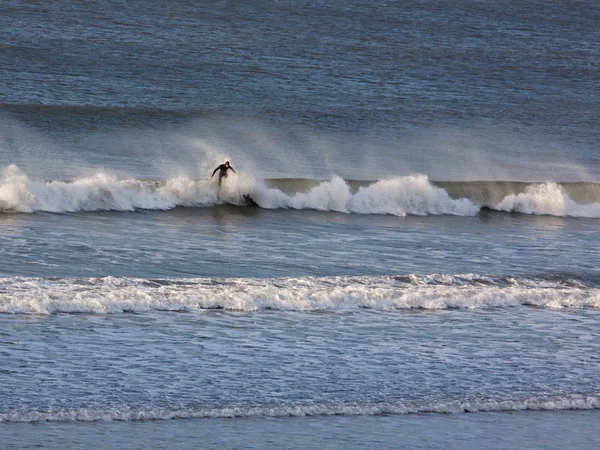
[[117, 295], [125, 413]]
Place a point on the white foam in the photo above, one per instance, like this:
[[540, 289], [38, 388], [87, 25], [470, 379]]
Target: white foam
[[397, 196], [547, 199], [101, 191], [104, 191], [409, 195], [115, 295], [125, 413], [413, 195]]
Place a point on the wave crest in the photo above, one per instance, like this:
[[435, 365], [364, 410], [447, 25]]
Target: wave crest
[[101, 191], [408, 195], [549, 199]]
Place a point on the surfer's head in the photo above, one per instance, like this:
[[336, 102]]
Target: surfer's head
[[227, 163]]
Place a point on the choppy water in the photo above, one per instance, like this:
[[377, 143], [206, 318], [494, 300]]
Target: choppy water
[[412, 230]]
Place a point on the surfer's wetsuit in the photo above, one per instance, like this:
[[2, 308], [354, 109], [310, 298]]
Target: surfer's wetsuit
[[222, 171]]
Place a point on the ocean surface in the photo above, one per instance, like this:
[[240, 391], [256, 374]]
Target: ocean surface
[[407, 255]]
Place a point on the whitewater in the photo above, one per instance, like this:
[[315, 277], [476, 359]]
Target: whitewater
[[125, 413], [406, 257], [407, 195], [433, 292]]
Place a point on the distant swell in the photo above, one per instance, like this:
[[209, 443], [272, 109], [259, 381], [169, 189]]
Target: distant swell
[[571, 402], [434, 292], [407, 195]]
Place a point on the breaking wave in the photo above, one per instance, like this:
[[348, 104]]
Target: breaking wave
[[434, 292], [125, 413], [408, 195]]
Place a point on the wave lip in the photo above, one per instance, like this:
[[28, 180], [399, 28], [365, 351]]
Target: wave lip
[[117, 295], [125, 413]]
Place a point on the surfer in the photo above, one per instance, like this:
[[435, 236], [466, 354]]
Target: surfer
[[222, 171]]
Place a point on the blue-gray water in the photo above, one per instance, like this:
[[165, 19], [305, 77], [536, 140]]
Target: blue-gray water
[[411, 233]]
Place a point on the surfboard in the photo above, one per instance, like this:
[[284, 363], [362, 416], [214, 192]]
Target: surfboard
[[248, 201]]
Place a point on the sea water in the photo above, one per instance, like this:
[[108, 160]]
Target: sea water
[[406, 256]]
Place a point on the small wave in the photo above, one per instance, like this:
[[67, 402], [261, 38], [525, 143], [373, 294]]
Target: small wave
[[493, 192], [117, 295], [100, 192], [125, 413], [548, 199], [408, 195]]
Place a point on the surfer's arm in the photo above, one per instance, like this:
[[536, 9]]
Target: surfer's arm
[[214, 171], [232, 169]]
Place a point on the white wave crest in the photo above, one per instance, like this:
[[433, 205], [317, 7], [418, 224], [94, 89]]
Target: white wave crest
[[103, 191], [125, 413], [414, 195], [547, 199], [399, 196], [116, 295], [98, 192], [409, 195]]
